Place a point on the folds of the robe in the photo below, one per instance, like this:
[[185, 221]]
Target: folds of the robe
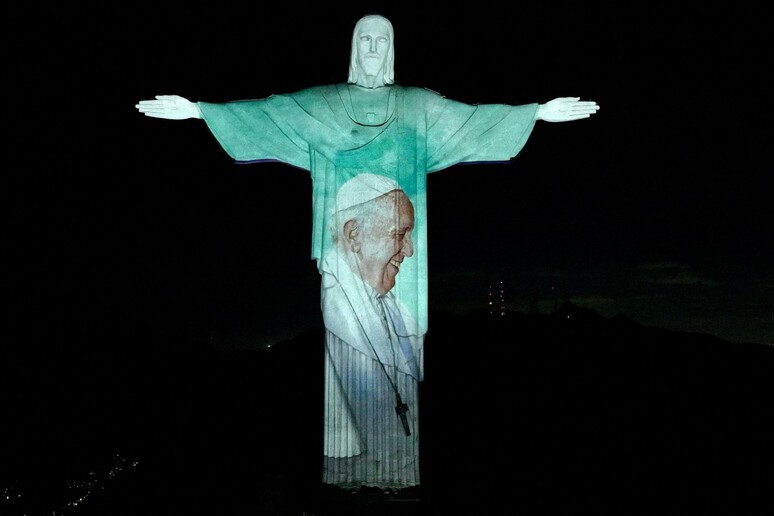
[[365, 440]]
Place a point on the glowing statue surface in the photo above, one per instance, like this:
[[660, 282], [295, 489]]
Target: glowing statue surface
[[368, 145]]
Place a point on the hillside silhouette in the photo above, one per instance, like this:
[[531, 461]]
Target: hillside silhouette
[[566, 413]]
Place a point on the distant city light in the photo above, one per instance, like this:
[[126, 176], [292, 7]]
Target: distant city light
[[501, 300]]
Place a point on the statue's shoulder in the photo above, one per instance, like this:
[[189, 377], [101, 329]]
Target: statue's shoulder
[[322, 89], [416, 90], [315, 91], [421, 93], [429, 91], [312, 97]]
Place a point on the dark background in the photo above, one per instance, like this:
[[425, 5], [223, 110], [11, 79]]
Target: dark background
[[147, 274], [658, 207]]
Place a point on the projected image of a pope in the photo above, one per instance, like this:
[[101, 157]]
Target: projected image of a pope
[[373, 345], [377, 236]]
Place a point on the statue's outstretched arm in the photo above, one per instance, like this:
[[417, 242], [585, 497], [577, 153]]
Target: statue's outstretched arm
[[566, 109], [171, 107]]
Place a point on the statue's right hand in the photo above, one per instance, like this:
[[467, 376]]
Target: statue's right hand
[[171, 107]]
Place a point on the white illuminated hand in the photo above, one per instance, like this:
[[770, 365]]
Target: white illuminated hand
[[565, 109], [171, 107]]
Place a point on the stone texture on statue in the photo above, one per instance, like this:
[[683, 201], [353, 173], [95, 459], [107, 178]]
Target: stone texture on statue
[[370, 129], [337, 132]]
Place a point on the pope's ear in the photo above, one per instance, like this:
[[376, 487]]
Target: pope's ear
[[351, 230]]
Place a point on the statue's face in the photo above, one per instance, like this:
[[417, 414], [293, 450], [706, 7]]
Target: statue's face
[[386, 241], [373, 43]]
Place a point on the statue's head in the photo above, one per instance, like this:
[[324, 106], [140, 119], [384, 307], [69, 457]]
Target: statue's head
[[372, 61]]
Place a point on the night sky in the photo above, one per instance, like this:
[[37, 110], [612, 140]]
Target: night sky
[[659, 207]]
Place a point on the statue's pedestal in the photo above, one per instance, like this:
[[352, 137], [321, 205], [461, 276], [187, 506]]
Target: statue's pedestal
[[331, 501]]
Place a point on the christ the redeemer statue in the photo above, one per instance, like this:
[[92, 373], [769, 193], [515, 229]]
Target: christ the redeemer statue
[[368, 145]]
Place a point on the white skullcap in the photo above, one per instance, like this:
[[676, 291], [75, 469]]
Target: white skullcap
[[363, 188]]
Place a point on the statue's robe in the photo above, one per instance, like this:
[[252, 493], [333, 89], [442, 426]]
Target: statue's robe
[[412, 132]]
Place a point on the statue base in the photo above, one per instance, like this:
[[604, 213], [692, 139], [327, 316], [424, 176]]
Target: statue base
[[331, 500]]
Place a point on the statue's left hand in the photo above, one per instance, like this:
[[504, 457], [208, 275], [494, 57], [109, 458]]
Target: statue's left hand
[[566, 109]]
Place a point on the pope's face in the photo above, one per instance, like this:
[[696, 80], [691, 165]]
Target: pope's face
[[385, 241], [373, 43]]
